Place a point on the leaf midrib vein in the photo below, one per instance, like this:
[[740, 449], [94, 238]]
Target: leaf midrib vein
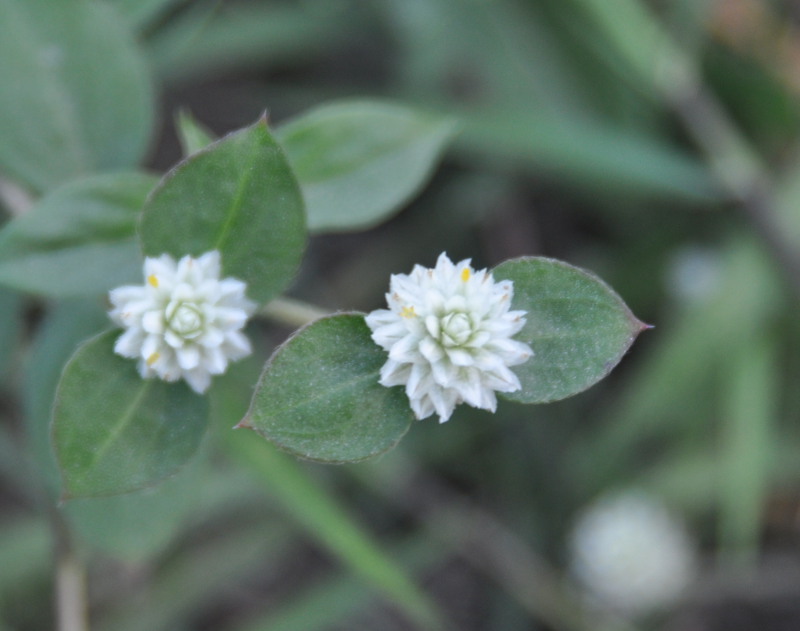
[[235, 206], [125, 419]]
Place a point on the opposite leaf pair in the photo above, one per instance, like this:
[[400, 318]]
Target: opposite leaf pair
[[449, 332]]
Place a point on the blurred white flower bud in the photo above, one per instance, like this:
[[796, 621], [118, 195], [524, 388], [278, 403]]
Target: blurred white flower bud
[[631, 554]]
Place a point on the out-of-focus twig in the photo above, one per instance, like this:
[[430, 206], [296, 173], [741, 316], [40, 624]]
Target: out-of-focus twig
[[740, 172], [664, 66]]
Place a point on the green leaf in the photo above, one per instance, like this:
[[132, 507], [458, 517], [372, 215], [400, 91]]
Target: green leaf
[[192, 134], [115, 432], [77, 96], [359, 161], [205, 39], [319, 396], [212, 566], [576, 325], [238, 196], [142, 13], [748, 446], [325, 519], [64, 327], [331, 525], [136, 526], [79, 239], [580, 151]]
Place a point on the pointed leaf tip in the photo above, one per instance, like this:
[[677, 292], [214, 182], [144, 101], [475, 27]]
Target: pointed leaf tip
[[238, 196], [578, 327]]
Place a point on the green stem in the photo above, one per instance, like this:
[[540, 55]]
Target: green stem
[[292, 312]]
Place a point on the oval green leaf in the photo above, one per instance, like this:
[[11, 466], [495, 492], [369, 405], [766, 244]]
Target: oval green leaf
[[577, 326], [238, 196], [82, 99], [360, 161], [115, 432], [319, 396], [79, 239]]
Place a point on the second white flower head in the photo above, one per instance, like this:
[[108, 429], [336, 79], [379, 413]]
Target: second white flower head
[[184, 322], [448, 333]]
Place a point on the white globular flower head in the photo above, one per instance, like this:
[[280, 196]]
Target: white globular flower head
[[448, 331], [184, 321], [631, 554]]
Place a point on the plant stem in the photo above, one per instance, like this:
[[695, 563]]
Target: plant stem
[[740, 171], [70, 579], [292, 312], [71, 592]]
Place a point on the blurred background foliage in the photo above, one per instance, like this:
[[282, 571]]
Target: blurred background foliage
[[654, 142]]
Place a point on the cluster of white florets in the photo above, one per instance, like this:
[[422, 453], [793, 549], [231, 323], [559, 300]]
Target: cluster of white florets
[[184, 322], [448, 332], [631, 554]]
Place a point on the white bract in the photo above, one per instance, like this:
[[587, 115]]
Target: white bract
[[448, 332], [184, 322], [631, 554]]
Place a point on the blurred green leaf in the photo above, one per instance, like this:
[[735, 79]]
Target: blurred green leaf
[[497, 52], [335, 598], [79, 239], [641, 41], [748, 449], [326, 521], [142, 12], [25, 555], [77, 96], [593, 154], [684, 366], [303, 498], [238, 196], [210, 37], [319, 396], [360, 161], [136, 526], [65, 326], [191, 133], [115, 432], [186, 582], [577, 326]]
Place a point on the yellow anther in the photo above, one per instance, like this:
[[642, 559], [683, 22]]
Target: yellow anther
[[465, 274], [407, 312], [152, 280], [153, 359]]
